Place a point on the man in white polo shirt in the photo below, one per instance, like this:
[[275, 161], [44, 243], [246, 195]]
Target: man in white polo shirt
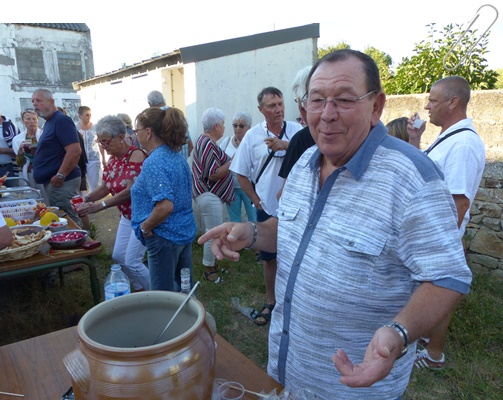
[[258, 160]]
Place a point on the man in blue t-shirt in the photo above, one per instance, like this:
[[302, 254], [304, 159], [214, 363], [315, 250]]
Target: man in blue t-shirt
[[58, 152]]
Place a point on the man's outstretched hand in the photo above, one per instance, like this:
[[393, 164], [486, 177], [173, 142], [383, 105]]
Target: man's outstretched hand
[[383, 350], [227, 239]]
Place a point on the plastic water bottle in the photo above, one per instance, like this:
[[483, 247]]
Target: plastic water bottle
[[116, 283], [185, 280]]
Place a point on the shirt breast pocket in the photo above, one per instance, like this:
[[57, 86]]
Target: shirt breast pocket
[[352, 255], [287, 220]]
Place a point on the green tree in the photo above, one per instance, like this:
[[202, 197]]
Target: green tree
[[382, 59], [499, 83], [325, 50], [418, 73]]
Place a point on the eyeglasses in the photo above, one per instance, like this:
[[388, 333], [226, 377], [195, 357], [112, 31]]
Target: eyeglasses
[[300, 99], [104, 143], [239, 126], [138, 130], [317, 105]]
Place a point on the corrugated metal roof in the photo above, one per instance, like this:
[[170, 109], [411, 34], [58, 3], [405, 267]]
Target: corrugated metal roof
[[63, 27]]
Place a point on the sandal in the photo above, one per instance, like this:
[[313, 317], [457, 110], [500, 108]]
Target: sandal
[[267, 317]]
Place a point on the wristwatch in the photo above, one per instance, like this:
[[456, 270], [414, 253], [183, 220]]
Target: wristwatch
[[404, 334], [60, 176], [103, 204]]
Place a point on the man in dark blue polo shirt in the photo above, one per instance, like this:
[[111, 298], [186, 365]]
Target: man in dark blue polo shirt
[[57, 156]]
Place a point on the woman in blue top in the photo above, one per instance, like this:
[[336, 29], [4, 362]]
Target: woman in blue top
[[161, 197]]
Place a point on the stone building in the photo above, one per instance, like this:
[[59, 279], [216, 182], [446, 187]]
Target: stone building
[[50, 56]]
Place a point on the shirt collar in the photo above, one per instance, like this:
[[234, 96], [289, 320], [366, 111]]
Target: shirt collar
[[361, 159]]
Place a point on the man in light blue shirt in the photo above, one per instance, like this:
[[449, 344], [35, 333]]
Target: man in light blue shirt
[[369, 257]]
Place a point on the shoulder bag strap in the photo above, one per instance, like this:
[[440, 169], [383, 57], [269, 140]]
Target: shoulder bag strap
[[429, 149], [271, 154]]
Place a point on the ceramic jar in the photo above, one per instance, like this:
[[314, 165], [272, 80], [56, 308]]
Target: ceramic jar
[[115, 357]]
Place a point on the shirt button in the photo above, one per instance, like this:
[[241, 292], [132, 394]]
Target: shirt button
[[287, 299], [285, 332], [351, 243], [311, 226], [296, 263]]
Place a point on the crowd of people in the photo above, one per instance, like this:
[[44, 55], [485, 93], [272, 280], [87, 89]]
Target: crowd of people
[[358, 230]]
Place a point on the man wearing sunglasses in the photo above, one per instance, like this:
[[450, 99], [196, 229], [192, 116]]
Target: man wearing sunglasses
[[256, 163]]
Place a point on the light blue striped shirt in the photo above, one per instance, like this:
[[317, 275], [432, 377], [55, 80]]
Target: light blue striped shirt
[[350, 257]]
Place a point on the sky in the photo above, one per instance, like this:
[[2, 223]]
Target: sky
[[129, 32]]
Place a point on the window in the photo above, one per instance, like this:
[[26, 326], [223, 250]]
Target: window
[[70, 67], [30, 65]]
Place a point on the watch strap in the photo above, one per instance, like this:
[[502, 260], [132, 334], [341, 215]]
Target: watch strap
[[404, 334], [103, 204]]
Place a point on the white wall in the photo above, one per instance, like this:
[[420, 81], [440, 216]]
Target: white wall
[[232, 83], [127, 95]]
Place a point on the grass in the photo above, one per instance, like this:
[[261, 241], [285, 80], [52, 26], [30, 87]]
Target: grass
[[474, 346]]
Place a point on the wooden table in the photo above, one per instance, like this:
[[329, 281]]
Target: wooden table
[[43, 262], [34, 367]]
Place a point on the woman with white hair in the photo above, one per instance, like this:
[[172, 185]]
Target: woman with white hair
[[211, 181], [241, 123]]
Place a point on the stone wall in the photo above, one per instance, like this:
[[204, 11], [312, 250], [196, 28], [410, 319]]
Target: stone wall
[[483, 240]]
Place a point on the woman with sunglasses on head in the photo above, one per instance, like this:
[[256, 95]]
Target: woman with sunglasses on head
[[241, 122], [121, 171], [162, 203], [211, 181]]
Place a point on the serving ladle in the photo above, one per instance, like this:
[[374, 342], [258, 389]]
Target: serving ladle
[[177, 312]]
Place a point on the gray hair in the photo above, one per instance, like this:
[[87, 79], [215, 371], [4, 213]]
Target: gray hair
[[299, 82], [211, 117], [242, 116], [155, 99], [46, 93], [455, 86], [112, 125], [127, 119]]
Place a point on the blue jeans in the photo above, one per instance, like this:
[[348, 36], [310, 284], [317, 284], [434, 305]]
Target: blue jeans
[[165, 261], [234, 209]]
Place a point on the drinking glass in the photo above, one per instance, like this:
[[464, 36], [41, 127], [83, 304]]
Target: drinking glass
[[231, 391], [216, 385]]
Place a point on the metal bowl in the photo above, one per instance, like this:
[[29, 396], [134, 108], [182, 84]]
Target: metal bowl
[[68, 244], [27, 229]]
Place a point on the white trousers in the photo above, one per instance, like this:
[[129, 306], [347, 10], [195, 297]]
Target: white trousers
[[129, 252], [212, 212], [93, 175]]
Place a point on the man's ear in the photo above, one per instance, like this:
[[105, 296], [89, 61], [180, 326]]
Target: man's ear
[[453, 102], [379, 103]]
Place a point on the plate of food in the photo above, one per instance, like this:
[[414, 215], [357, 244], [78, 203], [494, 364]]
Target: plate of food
[[68, 239]]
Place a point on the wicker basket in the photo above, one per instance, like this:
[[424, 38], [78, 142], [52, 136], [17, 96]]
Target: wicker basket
[[24, 251], [18, 209]]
